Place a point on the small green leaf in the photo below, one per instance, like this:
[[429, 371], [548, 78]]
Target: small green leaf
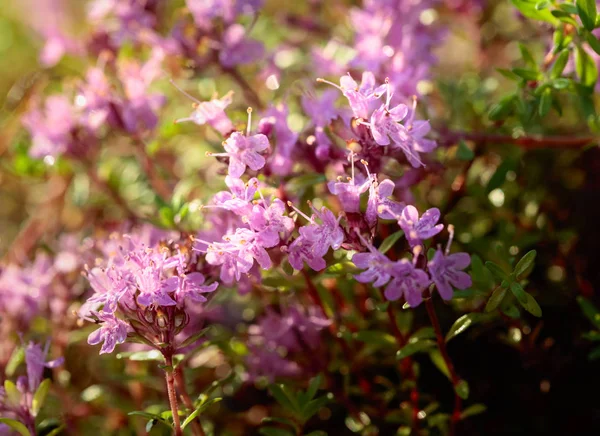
[[529, 10], [519, 292], [390, 241], [462, 389], [593, 42], [561, 83], [438, 360], [508, 74], [150, 416], [532, 306], [586, 68], [199, 410], [461, 324], [545, 102], [473, 410], [525, 265], [279, 420], [589, 310], [526, 74], [464, 152], [512, 311], [16, 426], [559, 64], [542, 5], [374, 337], [12, 393], [313, 386], [142, 356], [528, 57], [495, 299], [502, 109], [17, 357], [314, 406], [193, 338], [587, 12], [40, 397], [497, 271], [284, 397], [415, 347], [422, 333]]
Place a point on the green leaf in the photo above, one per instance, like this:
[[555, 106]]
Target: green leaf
[[508, 74], [586, 68], [12, 393], [462, 389], [593, 42], [565, 17], [499, 176], [278, 420], [461, 324], [512, 311], [284, 397], [503, 108], [526, 74], [422, 333], [193, 338], [518, 291], [272, 431], [40, 397], [313, 386], [561, 84], [166, 217], [495, 299], [497, 271], [199, 410], [415, 347], [587, 12], [314, 406], [390, 241], [142, 356], [559, 64], [438, 360], [374, 337], [528, 57], [525, 265], [532, 306], [150, 416], [589, 310], [545, 102], [17, 357], [473, 410], [16, 426], [529, 10], [464, 152], [542, 5]]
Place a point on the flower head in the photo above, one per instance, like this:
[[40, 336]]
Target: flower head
[[418, 229], [446, 272], [113, 331], [408, 282]]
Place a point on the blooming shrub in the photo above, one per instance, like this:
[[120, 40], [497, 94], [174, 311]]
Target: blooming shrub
[[292, 255]]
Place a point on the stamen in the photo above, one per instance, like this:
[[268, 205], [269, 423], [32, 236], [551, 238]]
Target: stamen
[[172, 82], [329, 83], [299, 212], [388, 98], [366, 243], [351, 157], [450, 238], [249, 110]]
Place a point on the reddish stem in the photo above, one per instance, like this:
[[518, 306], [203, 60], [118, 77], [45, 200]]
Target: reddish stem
[[442, 346], [172, 394], [187, 401]]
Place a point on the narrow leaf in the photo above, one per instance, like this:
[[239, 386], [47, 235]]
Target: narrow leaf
[[532, 306], [283, 397], [559, 64], [525, 264], [415, 347], [462, 389], [12, 393], [390, 241], [519, 292], [495, 299], [40, 397], [587, 12], [16, 426], [461, 324], [586, 68], [589, 310], [473, 410], [199, 410], [497, 271]]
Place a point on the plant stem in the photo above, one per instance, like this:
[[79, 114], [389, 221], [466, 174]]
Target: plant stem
[[156, 181], [247, 89], [172, 394], [187, 401], [455, 379]]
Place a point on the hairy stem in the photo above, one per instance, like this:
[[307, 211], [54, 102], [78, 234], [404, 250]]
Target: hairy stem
[[187, 401], [172, 394], [455, 379]]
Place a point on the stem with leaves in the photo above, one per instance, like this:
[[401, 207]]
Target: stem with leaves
[[187, 401], [454, 378], [169, 376]]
